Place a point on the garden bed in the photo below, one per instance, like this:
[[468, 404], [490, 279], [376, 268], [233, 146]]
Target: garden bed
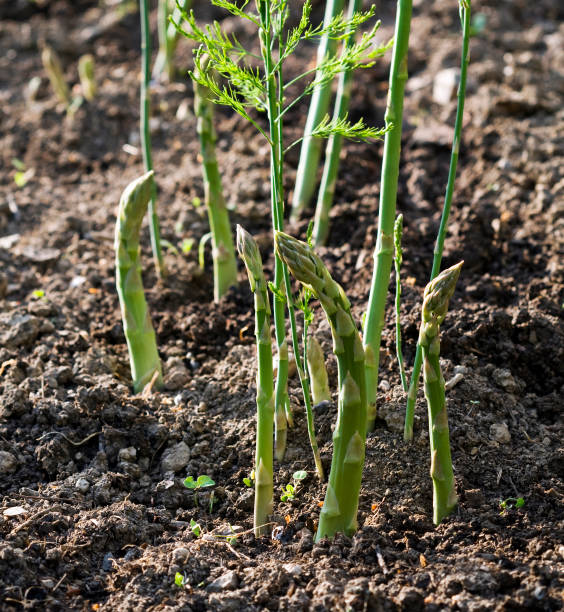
[[103, 520]]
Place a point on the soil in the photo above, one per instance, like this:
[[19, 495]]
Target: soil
[[94, 515]]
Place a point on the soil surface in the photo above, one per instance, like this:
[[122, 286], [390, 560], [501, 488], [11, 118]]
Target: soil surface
[[93, 512]]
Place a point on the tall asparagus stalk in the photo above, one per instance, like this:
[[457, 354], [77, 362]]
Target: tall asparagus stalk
[[340, 507], [223, 252], [383, 253], [398, 258], [333, 148], [306, 177], [137, 326], [145, 114], [435, 305], [439, 244], [250, 255]]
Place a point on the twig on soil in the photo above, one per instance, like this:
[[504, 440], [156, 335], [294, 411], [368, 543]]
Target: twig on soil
[[381, 561], [28, 522], [54, 433], [59, 583], [148, 390]]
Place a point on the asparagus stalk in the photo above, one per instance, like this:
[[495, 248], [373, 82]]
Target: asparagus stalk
[[87, 77], [439, 244], [341, 499], [145, 113], [435, 305], [383, 253], [334, 143], [306, 176], [137, 326], [317, 371], [250, 255], [168, 37], [223, 252], [398, 258], [54, 71]]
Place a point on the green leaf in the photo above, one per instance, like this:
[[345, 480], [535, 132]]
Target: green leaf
[[299, 475], [179, 580], [187, 245], [20, 179], [247, 481], [38, 293], [18, 164], [190, 483], [195, 528], [204, 481], [520, 502]]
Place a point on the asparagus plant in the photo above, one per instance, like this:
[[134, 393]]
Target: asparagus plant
[[264, 89], [339, 512], [250, 255], [317, 371], [137, 326], [439, 244], [223, 253], [54, 70], [435, 305], [87, 77], [145, 113], [168, 37], [398, 258], [306, 177], [383, 252]]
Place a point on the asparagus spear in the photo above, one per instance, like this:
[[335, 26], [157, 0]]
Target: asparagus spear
[[250, 255], [54, 71], [168, 36], [317, 371], [137, 326], [223, 253], [435, 305], [87, 77], [341, 499]]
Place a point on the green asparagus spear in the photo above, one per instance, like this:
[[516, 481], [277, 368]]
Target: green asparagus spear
[[250, 255], [137, 326], [54, 71], [435, 305], [341, 499], [223, 253], [168, 37], [398, 258], [317, 371], [87, 77]]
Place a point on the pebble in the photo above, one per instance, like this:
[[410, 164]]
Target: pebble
[[500, 433], [82, 485], [293, 568], [445, 85], [128, 455], [229, 580], [180, 554], [411, 599], [8, 462], [503, 378], [175, 458]]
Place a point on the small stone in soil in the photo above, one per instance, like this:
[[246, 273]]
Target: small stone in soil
[[500, 433], [128, 454], [82, 485], [8, 463], [175, 458], [229, 580]]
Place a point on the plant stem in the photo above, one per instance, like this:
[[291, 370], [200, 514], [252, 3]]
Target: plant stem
[[223, 252], [383, 253], [145, 113], [341, 499], [439, 244], [281, 275], [137, 326], [398, 230], [317, 371], [334, 143], [310, 153], [250, 255], [435, 305], [54, 70], [168, 38]]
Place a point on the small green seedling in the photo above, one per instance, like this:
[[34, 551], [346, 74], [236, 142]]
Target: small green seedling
[[187, 245], [289, 491], [179, 580], [511, 502], [201, 483], [249, 481], [195, 528], [38, 294]]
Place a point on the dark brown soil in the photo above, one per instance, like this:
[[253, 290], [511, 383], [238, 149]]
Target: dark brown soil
[[103, 522]]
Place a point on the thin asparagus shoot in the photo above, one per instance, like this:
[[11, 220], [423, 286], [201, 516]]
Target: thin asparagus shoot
[[317, 371], [223, 252], [250, 255], [168, 37], [54, 70], [137, 326], [334, 143], [398, 258], [145, 114], [383, 252], [306, 177], [87, 76], [439, 244], [435, 305], [339, 512]]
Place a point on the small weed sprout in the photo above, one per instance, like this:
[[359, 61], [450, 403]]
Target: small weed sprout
[[511, 502], [180, 580], [201, 482], [290, 490], [195, 528]]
